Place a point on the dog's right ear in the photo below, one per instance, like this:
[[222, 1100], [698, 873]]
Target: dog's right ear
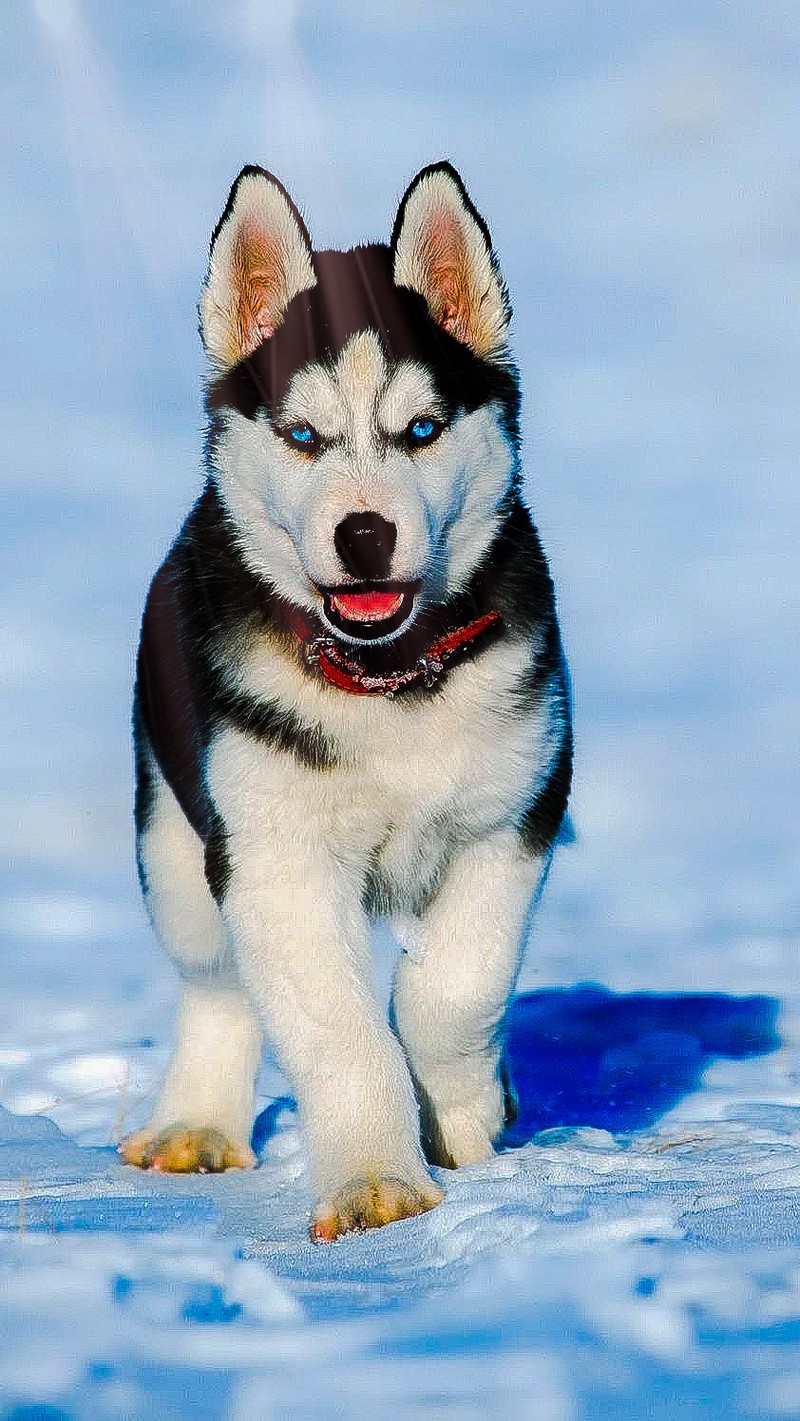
[[260, 258], [442, 250]]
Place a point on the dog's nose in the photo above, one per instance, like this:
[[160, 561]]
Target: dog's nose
[[365, 543]]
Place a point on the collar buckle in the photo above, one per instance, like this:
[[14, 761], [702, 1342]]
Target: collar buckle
[[315, 648], [431, 668]]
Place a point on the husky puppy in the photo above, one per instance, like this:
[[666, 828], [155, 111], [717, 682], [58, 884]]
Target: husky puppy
[[351, 700]]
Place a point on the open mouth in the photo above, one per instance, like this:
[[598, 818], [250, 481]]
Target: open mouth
[[367, 611]]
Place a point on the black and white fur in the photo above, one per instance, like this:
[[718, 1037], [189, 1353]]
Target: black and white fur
[[275, 812]]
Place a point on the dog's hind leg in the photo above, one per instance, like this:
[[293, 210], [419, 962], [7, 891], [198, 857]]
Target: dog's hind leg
[[203, 1118], [450, 996]]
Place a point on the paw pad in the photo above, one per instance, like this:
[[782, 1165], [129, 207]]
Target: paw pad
[[181, 1149]]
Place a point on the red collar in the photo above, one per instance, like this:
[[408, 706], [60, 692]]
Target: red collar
[[325, 653]]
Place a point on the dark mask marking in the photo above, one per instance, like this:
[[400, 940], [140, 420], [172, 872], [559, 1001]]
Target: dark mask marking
[[355, 292]]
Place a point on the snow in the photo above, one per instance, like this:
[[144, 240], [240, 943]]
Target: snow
[[584, 1273], [633, 1250], [643, 1262]]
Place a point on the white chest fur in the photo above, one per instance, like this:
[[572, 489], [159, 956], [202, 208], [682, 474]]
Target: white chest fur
[[412, 779]]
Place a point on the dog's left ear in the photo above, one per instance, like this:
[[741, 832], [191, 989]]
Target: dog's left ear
[[442, 250]]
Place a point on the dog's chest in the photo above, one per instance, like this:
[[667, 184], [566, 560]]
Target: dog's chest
[[435, 775], [410, 780]]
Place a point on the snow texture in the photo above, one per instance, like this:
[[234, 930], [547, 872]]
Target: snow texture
[[633, 1251]]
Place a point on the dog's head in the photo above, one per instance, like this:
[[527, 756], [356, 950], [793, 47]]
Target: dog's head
[[364, 406]]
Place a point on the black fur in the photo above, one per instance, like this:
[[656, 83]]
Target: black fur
[[546, 672], [205, 605], [203, 600], [168, 707], [355, 291], [217, 861], [280, 727], [145, 794], [543, 818]]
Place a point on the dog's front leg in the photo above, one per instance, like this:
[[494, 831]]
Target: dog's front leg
[[292, 908], [451, 991]]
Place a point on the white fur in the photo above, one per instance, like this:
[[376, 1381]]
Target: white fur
[[293, 911], [442, 253], [424, 793], [211, 1077], [450, 995], [442, 498], [464, 760], [260, 259], [419, 813]]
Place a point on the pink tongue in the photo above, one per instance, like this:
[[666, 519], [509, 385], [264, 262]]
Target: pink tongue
[[367, 606]]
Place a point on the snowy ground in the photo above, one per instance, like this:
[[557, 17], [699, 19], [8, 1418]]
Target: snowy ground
[[634, 1251], [586, 1273]]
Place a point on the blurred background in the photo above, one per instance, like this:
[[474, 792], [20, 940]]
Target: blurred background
[[639, 167]]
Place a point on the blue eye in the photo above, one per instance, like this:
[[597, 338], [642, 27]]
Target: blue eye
[[301, 436], [423, 430]]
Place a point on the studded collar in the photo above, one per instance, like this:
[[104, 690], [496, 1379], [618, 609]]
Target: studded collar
[[325, 654]]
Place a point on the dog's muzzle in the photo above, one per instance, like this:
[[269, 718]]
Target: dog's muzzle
[[370, 606]]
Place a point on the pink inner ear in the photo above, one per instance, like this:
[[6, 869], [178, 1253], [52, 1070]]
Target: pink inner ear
[[443, 250], [451, 319], [259, 283]]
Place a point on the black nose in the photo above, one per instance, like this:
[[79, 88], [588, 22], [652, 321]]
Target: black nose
[[365, 543]]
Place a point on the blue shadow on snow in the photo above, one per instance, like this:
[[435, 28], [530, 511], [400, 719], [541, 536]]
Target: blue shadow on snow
[[587, 1056]]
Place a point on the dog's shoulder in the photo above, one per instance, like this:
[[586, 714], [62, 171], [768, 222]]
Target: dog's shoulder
[[205, 616]]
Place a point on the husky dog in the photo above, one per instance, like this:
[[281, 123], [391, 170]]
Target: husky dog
[[351, 700]]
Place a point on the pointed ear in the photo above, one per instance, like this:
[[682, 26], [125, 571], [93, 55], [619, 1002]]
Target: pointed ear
[[260, 258], [443, 251]]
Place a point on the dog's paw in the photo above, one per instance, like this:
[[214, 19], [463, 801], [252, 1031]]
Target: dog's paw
[[463, 1137], [181, 1149], [369, 1204], [463, 1134]]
